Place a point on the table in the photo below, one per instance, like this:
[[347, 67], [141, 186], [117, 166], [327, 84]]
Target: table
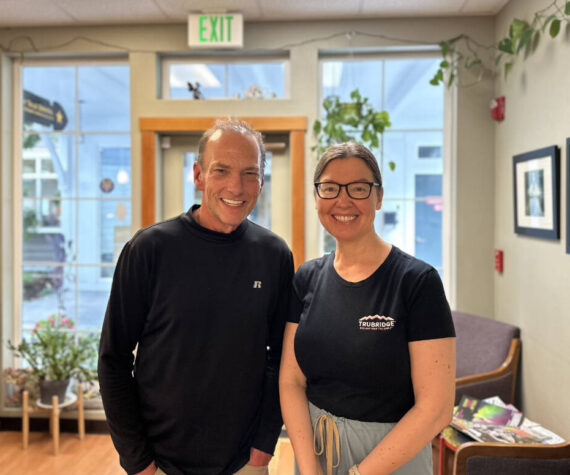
[[55, 409], [448, 442]]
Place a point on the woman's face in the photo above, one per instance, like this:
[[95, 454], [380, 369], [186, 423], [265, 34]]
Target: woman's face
[[345, 218]]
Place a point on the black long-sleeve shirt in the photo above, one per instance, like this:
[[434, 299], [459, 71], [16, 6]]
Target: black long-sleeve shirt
[[207, 311]]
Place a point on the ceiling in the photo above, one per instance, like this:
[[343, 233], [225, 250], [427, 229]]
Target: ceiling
[[22, 13]]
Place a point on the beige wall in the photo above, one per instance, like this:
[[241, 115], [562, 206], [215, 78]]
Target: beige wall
[[533, 290]]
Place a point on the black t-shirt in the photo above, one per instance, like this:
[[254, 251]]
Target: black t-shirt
[[352, 339]]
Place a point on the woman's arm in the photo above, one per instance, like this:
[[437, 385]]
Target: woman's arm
[[433, 377], [295, 407]]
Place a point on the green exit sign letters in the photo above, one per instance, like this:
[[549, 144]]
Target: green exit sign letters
[[215, 30]]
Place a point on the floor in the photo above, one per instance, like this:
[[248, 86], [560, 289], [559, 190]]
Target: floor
[[93, 455]]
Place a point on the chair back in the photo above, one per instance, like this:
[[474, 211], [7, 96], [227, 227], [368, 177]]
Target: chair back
[[482, 343]]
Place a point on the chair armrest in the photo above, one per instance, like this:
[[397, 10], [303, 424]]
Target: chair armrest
[[496, 449], [510, 365]]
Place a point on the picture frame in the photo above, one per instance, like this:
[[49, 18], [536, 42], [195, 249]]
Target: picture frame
[[536, 186], [568, 196]]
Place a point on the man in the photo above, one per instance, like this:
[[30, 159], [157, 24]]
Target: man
[[205, 297]]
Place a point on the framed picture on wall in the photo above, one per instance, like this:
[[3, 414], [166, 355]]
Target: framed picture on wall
[[536, 183], [568, 196]]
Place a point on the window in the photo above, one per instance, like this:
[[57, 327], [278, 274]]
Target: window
[[242, 78], [411, 215], [75, 195]]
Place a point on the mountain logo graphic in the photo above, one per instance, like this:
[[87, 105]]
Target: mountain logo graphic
[[376, 322]]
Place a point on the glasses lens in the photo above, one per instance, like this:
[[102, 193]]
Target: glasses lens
[[328, 190], [358, 190]]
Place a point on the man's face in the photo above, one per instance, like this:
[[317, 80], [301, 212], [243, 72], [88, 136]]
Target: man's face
[[230, 180]]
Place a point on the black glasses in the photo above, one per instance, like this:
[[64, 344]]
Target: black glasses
[[357, 190]]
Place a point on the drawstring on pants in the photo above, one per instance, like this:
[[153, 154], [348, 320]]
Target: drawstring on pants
[[326, 426]]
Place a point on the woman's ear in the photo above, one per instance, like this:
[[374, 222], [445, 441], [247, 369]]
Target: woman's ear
[[380, 196]]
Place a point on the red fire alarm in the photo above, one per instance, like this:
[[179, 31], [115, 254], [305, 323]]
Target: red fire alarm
[[498, 108], [498, 260]]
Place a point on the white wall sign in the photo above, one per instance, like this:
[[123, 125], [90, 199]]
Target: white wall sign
[[215, 30]]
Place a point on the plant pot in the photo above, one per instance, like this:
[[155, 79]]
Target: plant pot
[[48, 389]]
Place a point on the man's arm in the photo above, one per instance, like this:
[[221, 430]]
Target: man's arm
[[124, 321], [271, 421]]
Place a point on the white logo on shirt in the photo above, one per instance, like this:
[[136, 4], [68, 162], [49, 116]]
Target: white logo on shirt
[[257, 284], [376, 322]]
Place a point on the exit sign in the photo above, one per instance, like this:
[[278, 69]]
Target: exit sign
[[215, 30]]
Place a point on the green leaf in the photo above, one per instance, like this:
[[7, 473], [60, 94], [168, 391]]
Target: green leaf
[[450, 80], [506, 45], [434, 81], [498, 58], [567, 8], [317, 126], [444, 45], [470, 63], [516, 28], [508, 67], [525, 38], [327, 103], [547, 21], [554, 28], [392, 165], [444, 64]]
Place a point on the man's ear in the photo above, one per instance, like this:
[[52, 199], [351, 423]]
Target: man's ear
[[198, 176]]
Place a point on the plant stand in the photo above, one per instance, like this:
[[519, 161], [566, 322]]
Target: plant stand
[[55, 409]]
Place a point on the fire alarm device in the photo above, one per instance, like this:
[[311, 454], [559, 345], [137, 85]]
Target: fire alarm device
[[498, 260], [498, 108]]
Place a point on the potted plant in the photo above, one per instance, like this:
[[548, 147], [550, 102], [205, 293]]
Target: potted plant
[[55, 354], [350, 121]]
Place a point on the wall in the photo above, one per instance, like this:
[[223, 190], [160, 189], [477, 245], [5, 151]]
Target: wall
[[533, 290]]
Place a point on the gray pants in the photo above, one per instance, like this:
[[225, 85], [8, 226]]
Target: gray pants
[[358, 439], [245, 470]]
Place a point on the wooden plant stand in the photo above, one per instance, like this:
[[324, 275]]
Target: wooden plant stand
[[55, 410]]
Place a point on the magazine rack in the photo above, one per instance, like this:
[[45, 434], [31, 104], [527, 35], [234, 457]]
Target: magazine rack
[[483, 458]]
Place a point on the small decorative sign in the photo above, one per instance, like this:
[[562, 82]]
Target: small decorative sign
[[107, 185], [41, 111], [215, 30]]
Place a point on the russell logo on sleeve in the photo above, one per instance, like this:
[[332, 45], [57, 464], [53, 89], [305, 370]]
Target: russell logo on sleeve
[[376, 322]]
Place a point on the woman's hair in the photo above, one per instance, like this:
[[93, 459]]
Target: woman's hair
[[348, 150], [232, 125]]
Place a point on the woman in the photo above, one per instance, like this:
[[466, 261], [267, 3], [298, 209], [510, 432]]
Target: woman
[[368, 367]]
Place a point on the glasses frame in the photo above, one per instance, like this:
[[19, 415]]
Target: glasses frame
[[346, 185]]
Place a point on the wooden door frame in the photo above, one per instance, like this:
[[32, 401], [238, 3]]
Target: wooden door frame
[[294, 126]]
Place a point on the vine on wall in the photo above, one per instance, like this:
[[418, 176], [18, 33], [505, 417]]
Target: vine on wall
[[463, 52]]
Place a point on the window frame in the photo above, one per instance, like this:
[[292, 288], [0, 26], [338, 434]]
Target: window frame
[[12, 251], [268, 57], [448, 131]]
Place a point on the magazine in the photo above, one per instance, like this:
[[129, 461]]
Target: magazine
[[491, 420], [479, 411]]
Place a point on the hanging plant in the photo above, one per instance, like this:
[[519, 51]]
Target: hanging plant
[[355, 121], [463, 52]]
